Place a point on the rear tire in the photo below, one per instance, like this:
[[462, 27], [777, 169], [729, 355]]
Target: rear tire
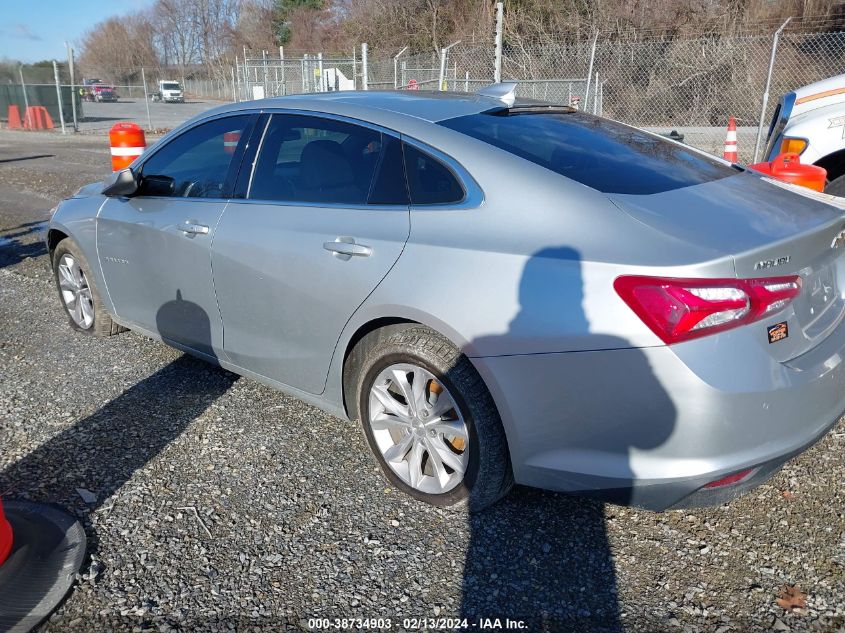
[[441, 439], [78, 294], [836, 187]]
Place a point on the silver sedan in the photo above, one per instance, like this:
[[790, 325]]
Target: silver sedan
[[500, 291]]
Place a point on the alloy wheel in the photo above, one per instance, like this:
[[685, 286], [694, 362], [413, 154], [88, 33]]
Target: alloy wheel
[[76, 293], [418, 428]]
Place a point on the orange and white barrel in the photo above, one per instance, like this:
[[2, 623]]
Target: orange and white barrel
[[127, 143], [230, 141], [730, 142]]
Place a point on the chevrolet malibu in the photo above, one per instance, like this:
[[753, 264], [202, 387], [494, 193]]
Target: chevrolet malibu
[[500, 291]]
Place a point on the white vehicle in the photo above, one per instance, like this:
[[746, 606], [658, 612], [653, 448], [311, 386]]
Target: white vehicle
[[169, 92], [811, 122]]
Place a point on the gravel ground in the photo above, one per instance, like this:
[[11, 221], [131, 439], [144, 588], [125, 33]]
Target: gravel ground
[[219, 504]]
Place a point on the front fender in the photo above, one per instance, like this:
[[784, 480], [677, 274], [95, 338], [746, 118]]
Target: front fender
[[77, 219]]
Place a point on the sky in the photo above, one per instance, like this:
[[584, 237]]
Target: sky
[[36, 30]]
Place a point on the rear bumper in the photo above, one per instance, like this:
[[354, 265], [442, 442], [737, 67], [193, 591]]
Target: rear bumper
[[650, 427]]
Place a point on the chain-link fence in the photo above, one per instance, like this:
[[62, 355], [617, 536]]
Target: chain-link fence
[[262, 75], [691, 84]]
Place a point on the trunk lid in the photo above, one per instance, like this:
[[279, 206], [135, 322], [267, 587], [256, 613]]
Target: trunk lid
[[771, 229]]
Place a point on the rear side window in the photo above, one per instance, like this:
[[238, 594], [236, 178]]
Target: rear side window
[[318, 160], [429, 180], [602, 154]]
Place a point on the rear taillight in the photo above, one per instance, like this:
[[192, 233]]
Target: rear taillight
[[682, 309]]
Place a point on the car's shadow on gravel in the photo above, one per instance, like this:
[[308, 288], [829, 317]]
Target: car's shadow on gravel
[[541, 557], [85, 464]]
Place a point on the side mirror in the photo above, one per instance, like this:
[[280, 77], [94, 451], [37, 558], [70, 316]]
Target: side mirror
[[122, 183], [159, 186]]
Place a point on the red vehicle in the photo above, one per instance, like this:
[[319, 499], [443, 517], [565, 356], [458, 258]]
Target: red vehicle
[[96, 90]]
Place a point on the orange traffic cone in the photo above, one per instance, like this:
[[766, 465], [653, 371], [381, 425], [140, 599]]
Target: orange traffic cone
[[730, 141]]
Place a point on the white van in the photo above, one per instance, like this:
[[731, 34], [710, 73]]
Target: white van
[[169, 92]]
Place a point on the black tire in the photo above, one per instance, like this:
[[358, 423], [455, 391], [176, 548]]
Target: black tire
[[102, 325], [489, 476], [836, 187]]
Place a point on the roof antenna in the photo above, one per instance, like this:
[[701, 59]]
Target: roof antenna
[[504, 91]]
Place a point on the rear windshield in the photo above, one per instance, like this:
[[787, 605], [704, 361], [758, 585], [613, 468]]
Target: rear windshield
[[602, 154]]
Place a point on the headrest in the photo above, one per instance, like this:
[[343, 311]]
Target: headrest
[[324, 164]]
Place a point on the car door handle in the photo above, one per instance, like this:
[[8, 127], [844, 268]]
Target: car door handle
[[345, 248], [194, 229]]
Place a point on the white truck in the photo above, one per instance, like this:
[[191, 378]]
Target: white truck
[[169, 91], [811, 122]]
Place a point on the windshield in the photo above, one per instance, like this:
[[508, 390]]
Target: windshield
[[599, 153], [170, 86]]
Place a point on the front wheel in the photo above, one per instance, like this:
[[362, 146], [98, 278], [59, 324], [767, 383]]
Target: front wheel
[[431, 422], [78, 294]]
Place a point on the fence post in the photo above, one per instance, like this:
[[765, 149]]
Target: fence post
[[601, 97], [23, 86], [246, 81], [766, 90], [282, 63], [355, 68], [59, 96], [264, 60], [237, 79], [146, 100], [320, 68], [365, 78], [443, 52], [395, 64], [497, 68], [590, 73], [72, 87]]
